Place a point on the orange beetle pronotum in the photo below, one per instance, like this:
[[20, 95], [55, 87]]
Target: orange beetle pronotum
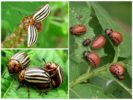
[[32, 24]]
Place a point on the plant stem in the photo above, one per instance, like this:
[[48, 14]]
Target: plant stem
[[116, 54], [125, 87], [87, 75], [15, 38], [75, 93]]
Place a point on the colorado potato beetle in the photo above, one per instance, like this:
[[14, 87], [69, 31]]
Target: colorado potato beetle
[[33, 24], [116, 37], [56, 73], [117, 70], [98, 42], [92, 57], [86, 42], [36, 77], [78, 29], [18, 62]]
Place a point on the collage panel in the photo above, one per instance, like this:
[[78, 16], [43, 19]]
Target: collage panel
[[100, 50], [34, 74], [34, 24]]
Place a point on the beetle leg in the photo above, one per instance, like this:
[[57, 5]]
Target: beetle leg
[[43, 91], [28, 90]]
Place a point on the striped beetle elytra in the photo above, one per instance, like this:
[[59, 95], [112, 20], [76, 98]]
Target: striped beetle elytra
[[33, 24], [58, 78], [36, 77], [56, 73], [18, 62]]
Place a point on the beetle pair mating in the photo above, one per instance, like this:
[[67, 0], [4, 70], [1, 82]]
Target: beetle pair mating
[[33, 24], [47, 77]]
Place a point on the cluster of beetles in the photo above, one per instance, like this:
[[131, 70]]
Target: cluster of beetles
[[99, 41], [43, 78]]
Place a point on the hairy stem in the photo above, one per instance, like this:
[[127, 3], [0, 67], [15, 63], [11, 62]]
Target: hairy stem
[[15, 38]]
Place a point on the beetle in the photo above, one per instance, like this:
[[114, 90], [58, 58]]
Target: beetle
[[98, 42], [116, 37], [86, 42], [92, 57], [78, 29], [117, 70], [33, 23], [36, 77], [56, 73], [18, 62]]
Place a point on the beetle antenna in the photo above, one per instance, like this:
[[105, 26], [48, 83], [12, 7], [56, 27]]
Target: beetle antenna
[[20, 13], [44, 60]]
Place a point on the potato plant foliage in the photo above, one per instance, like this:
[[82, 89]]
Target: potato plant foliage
[[10, 83], [87, 82]]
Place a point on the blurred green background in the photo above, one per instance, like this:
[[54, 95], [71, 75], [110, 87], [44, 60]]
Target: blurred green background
[[54, 33], [121, 12], [10, 83]]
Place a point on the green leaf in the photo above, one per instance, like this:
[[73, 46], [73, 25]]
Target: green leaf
[[106, 22], [112, 87], [128, 66], [127, 43], [74, 73], [87, 91]]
